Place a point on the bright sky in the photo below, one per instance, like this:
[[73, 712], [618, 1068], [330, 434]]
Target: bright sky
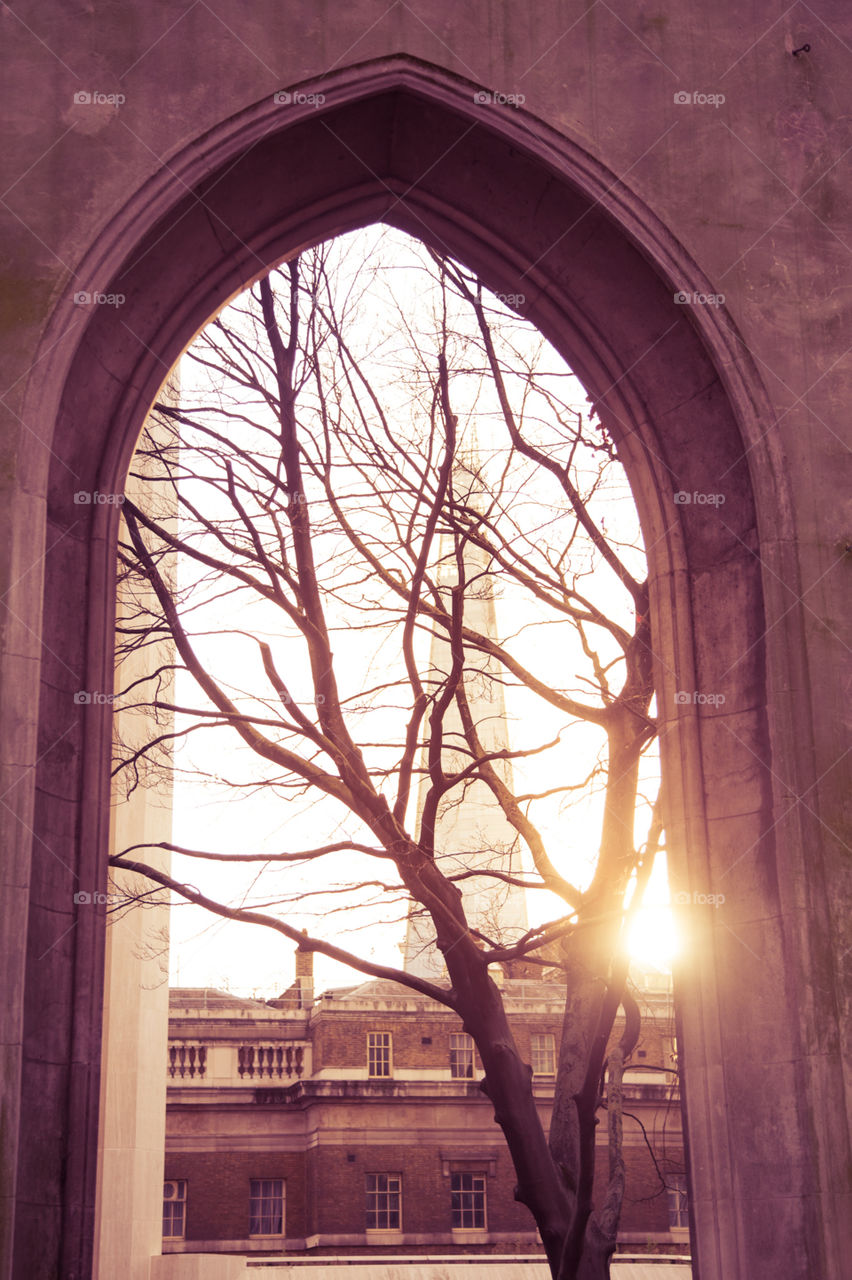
[[246, 959]]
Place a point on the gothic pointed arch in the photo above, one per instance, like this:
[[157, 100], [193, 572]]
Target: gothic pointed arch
[[535, 214]]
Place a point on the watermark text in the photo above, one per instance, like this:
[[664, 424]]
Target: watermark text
[[683, 498], [488, 97], [86, 498], [684, 99], [691, 697], [697, 899], [93, 98], [683, 298], [288, 98], [82, 298]]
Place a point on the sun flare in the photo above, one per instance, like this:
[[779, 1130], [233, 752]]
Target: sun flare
[[652, 939]]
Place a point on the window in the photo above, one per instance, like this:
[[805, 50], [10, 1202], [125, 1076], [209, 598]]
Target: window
[[174, 1209], [468, 1201], [384, 1202], [379, 1053], [543, 1054], [267, 1207], [678, 1204], [461, 1056]]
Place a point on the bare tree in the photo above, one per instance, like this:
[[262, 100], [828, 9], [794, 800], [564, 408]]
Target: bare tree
[[338, 483]]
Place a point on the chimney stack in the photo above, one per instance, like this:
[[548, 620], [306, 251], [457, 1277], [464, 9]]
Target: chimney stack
[[304, 983]]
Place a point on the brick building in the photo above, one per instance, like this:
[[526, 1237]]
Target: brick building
[[354, 1123]]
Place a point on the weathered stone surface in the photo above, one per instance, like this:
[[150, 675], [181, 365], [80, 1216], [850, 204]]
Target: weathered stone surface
[[606, 197]]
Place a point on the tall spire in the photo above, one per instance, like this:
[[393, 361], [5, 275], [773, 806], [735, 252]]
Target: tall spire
[[472, 832], [468, 480]]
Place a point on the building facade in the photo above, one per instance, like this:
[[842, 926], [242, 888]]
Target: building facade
[[355, 1124]]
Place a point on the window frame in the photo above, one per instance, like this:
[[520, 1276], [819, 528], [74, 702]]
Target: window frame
[[277, 1198], [374, 1049], [179, 1199], [677, 1201], [467, 1049], [477, 1207], [374, 1205], [536, 1051]]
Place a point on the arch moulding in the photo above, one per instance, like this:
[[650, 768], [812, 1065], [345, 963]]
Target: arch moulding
[[406, 143]]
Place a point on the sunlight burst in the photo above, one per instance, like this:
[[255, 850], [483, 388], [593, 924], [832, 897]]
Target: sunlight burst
[[652, 939]]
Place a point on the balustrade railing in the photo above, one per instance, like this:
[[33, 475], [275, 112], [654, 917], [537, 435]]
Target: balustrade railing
[[258, 1061], [249, 1061], [187, 1060]]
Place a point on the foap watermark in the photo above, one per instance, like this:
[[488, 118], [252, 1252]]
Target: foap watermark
[[683, 498], [693, 99], [290, 98], [696, 899], [87, 498], [511, 299], [312, 701], [83, 898], [92, 698], [692, 697], [93, 98], [488, 97], [82, 298], [685, 299]]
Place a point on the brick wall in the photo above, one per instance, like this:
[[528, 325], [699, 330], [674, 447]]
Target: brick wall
[[645, 1205], [218, 1193], [325, 1189], [337, 1178], [340, 1039]]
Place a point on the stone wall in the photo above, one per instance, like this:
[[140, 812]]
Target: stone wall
[[671, 193]]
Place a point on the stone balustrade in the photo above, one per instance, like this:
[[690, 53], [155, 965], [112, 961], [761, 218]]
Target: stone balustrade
[[214, 1063]]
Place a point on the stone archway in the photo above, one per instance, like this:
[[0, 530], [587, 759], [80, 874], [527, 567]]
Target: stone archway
[[400, 141]]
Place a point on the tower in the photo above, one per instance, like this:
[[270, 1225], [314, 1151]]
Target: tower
[[472, 833]]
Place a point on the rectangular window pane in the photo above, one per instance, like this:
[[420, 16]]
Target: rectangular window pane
[[384, 1201], [461, 1056], [678, 1204], [468, 1200], [174, 1209], [266, 1217], [543, 1054], [378, 1053]]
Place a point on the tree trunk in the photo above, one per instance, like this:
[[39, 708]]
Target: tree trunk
[[508, 1085]]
